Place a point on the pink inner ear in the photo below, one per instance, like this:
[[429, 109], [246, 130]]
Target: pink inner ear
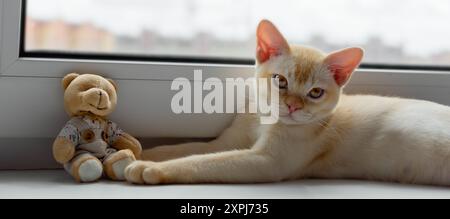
[[261, 52], [270, 42], [341, 76], [343, 63]]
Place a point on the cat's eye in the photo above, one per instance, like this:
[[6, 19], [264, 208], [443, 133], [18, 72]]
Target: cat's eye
[[280, 81], [316, 93]]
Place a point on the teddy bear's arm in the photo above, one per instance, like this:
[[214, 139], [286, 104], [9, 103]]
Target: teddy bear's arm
[[63, 150], [126, 141], [66, 142], [121, 140]]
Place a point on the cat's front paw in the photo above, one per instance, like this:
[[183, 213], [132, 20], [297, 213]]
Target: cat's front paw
[[144, 172]]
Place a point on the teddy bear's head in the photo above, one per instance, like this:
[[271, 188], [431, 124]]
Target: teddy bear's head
[[89, 94]]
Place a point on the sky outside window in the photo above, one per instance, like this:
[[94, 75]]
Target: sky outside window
[[410, 32]]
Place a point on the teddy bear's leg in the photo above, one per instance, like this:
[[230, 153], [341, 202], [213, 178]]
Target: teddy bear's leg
[[85, 168], [116, 163]]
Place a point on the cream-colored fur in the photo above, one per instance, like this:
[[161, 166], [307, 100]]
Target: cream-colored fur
[[336, 136]]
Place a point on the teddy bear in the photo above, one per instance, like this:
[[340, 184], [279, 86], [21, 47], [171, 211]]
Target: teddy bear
[[90, 146]]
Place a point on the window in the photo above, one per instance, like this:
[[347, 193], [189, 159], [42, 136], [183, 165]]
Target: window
[[407, 33]]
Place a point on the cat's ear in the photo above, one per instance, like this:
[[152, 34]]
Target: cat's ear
[[270, 43], [343, 63]]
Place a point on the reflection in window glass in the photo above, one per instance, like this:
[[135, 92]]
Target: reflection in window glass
[[392, 32]]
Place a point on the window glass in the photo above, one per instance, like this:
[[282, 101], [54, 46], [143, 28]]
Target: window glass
[[400, 32]]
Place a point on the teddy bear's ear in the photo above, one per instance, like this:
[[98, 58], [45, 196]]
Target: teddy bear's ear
[[68, 79], [113, 83]]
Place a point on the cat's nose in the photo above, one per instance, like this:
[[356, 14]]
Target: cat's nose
[[293, 109], [294, 104]]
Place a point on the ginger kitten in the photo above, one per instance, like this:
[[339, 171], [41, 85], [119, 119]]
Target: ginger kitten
[[321, 132]]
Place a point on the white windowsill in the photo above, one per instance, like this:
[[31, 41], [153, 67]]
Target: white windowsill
[[57, 184]]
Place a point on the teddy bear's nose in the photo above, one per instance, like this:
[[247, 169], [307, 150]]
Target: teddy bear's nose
[[97, 97]]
